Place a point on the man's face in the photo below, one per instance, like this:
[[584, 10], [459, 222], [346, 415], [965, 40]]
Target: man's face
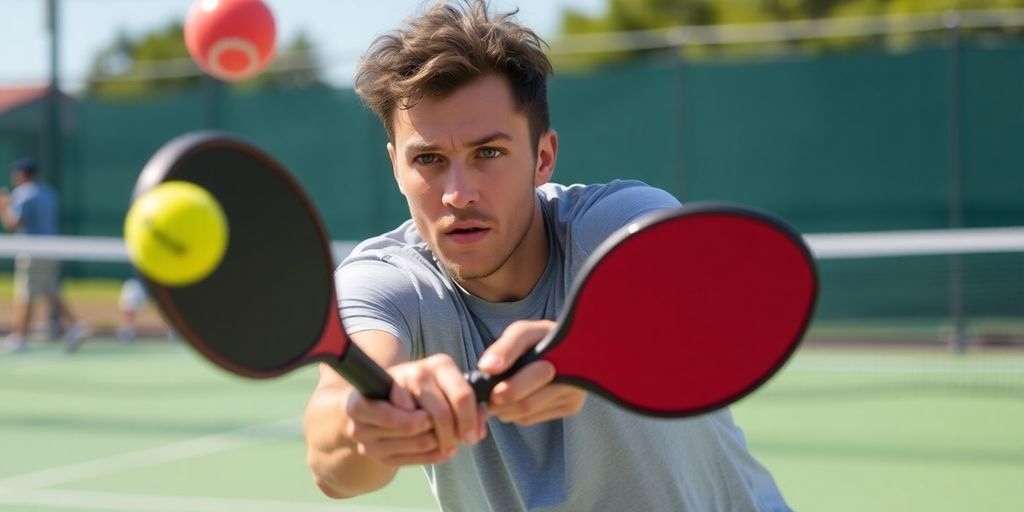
[[467, 168], [18, 177]]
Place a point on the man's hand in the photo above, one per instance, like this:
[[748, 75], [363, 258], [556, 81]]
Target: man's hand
[[527, 397], [391, 433], [396, 433], [6, 215]]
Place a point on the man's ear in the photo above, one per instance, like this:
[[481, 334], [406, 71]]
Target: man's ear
[[394, 166], [547, 154]]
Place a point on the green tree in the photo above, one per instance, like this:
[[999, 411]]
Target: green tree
[[647, 15], [150, 64], [632, 15], [158, 62]]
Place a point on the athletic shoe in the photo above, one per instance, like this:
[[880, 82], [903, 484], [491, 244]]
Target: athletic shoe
[[125, 334], [13, 344], [74, 337]]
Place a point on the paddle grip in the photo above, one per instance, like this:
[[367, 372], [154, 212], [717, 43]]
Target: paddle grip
[[364, 373], [483, 383]]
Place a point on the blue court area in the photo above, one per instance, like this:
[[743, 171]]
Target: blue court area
[[148, 426]]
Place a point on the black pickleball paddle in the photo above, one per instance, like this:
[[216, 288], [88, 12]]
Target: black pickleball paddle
[[677, 314], [270, 306]]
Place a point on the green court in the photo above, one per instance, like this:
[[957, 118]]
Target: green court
[[148, 426]]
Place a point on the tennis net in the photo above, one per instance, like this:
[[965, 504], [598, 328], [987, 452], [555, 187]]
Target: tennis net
[[962, 287]]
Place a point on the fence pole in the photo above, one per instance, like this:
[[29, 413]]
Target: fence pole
[[958, 328], [53, 101], [211, 91], [678, 118]]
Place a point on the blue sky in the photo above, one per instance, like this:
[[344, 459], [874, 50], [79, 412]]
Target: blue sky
[[342, 29]]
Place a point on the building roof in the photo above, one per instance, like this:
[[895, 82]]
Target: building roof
[[14, 97]]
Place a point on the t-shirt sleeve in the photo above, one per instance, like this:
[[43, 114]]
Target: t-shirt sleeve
[[614, 206], [18, 209], [375, 295]]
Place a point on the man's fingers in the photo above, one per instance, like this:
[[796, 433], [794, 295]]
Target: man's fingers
[[462, 401], [434, 457], [515, 341], [421, 380], [530, 379], [546, 415], [402, 399], [551, 402], [387, 447], [383, 415], [481, 421], [421, 449]]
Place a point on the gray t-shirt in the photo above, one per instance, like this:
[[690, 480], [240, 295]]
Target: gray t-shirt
[[603, 458]]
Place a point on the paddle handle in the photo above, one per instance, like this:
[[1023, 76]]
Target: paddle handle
[[483, 383], [364, 373]]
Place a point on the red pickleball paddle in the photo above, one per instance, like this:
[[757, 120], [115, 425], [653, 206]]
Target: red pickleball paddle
[[677, 314], [683, 311]]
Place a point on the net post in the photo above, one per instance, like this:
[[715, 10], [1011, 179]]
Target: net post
[[958, 318]]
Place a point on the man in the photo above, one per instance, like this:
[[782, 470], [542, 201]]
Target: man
[[33, 208], [474, 279]]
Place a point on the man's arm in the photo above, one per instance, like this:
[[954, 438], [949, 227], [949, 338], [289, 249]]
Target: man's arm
[[10, 221], [355, 445], [339, 470]]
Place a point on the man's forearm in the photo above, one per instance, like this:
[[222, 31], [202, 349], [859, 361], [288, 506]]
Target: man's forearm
[[338, 469], [10, 223]]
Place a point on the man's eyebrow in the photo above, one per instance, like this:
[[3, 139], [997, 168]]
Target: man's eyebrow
[[427, 147], [490, 138], [421, 147]]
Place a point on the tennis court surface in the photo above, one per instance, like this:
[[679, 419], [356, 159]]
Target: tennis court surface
[[148, 426]]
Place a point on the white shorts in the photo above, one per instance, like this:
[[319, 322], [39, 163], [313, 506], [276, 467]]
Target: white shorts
[[133, 295], [34, 277]]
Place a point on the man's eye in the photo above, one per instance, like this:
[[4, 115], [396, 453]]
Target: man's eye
[[426, 159], [490, 152]]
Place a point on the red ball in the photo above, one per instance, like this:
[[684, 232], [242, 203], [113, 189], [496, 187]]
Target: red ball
[[230, 39]]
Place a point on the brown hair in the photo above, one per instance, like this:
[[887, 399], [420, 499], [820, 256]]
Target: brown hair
[[447, 47]]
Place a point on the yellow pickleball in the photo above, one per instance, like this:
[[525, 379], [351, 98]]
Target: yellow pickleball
[[176, 233]]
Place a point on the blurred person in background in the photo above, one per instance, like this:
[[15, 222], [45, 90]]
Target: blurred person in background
[[129, 303], [31, 209]]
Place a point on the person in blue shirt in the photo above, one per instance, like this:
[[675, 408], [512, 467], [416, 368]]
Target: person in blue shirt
[[33, 209]]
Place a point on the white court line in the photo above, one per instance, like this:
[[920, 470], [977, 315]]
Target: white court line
[[890, 366], [153, 456], [90, 500]]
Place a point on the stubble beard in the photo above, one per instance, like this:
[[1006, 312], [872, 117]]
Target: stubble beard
[[459, 272]]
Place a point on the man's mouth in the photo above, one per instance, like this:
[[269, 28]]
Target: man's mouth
[[467, 234], [462, 231]]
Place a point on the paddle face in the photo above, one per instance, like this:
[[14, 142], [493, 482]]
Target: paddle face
[[270, 305], [681, 313], [686, 311]]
